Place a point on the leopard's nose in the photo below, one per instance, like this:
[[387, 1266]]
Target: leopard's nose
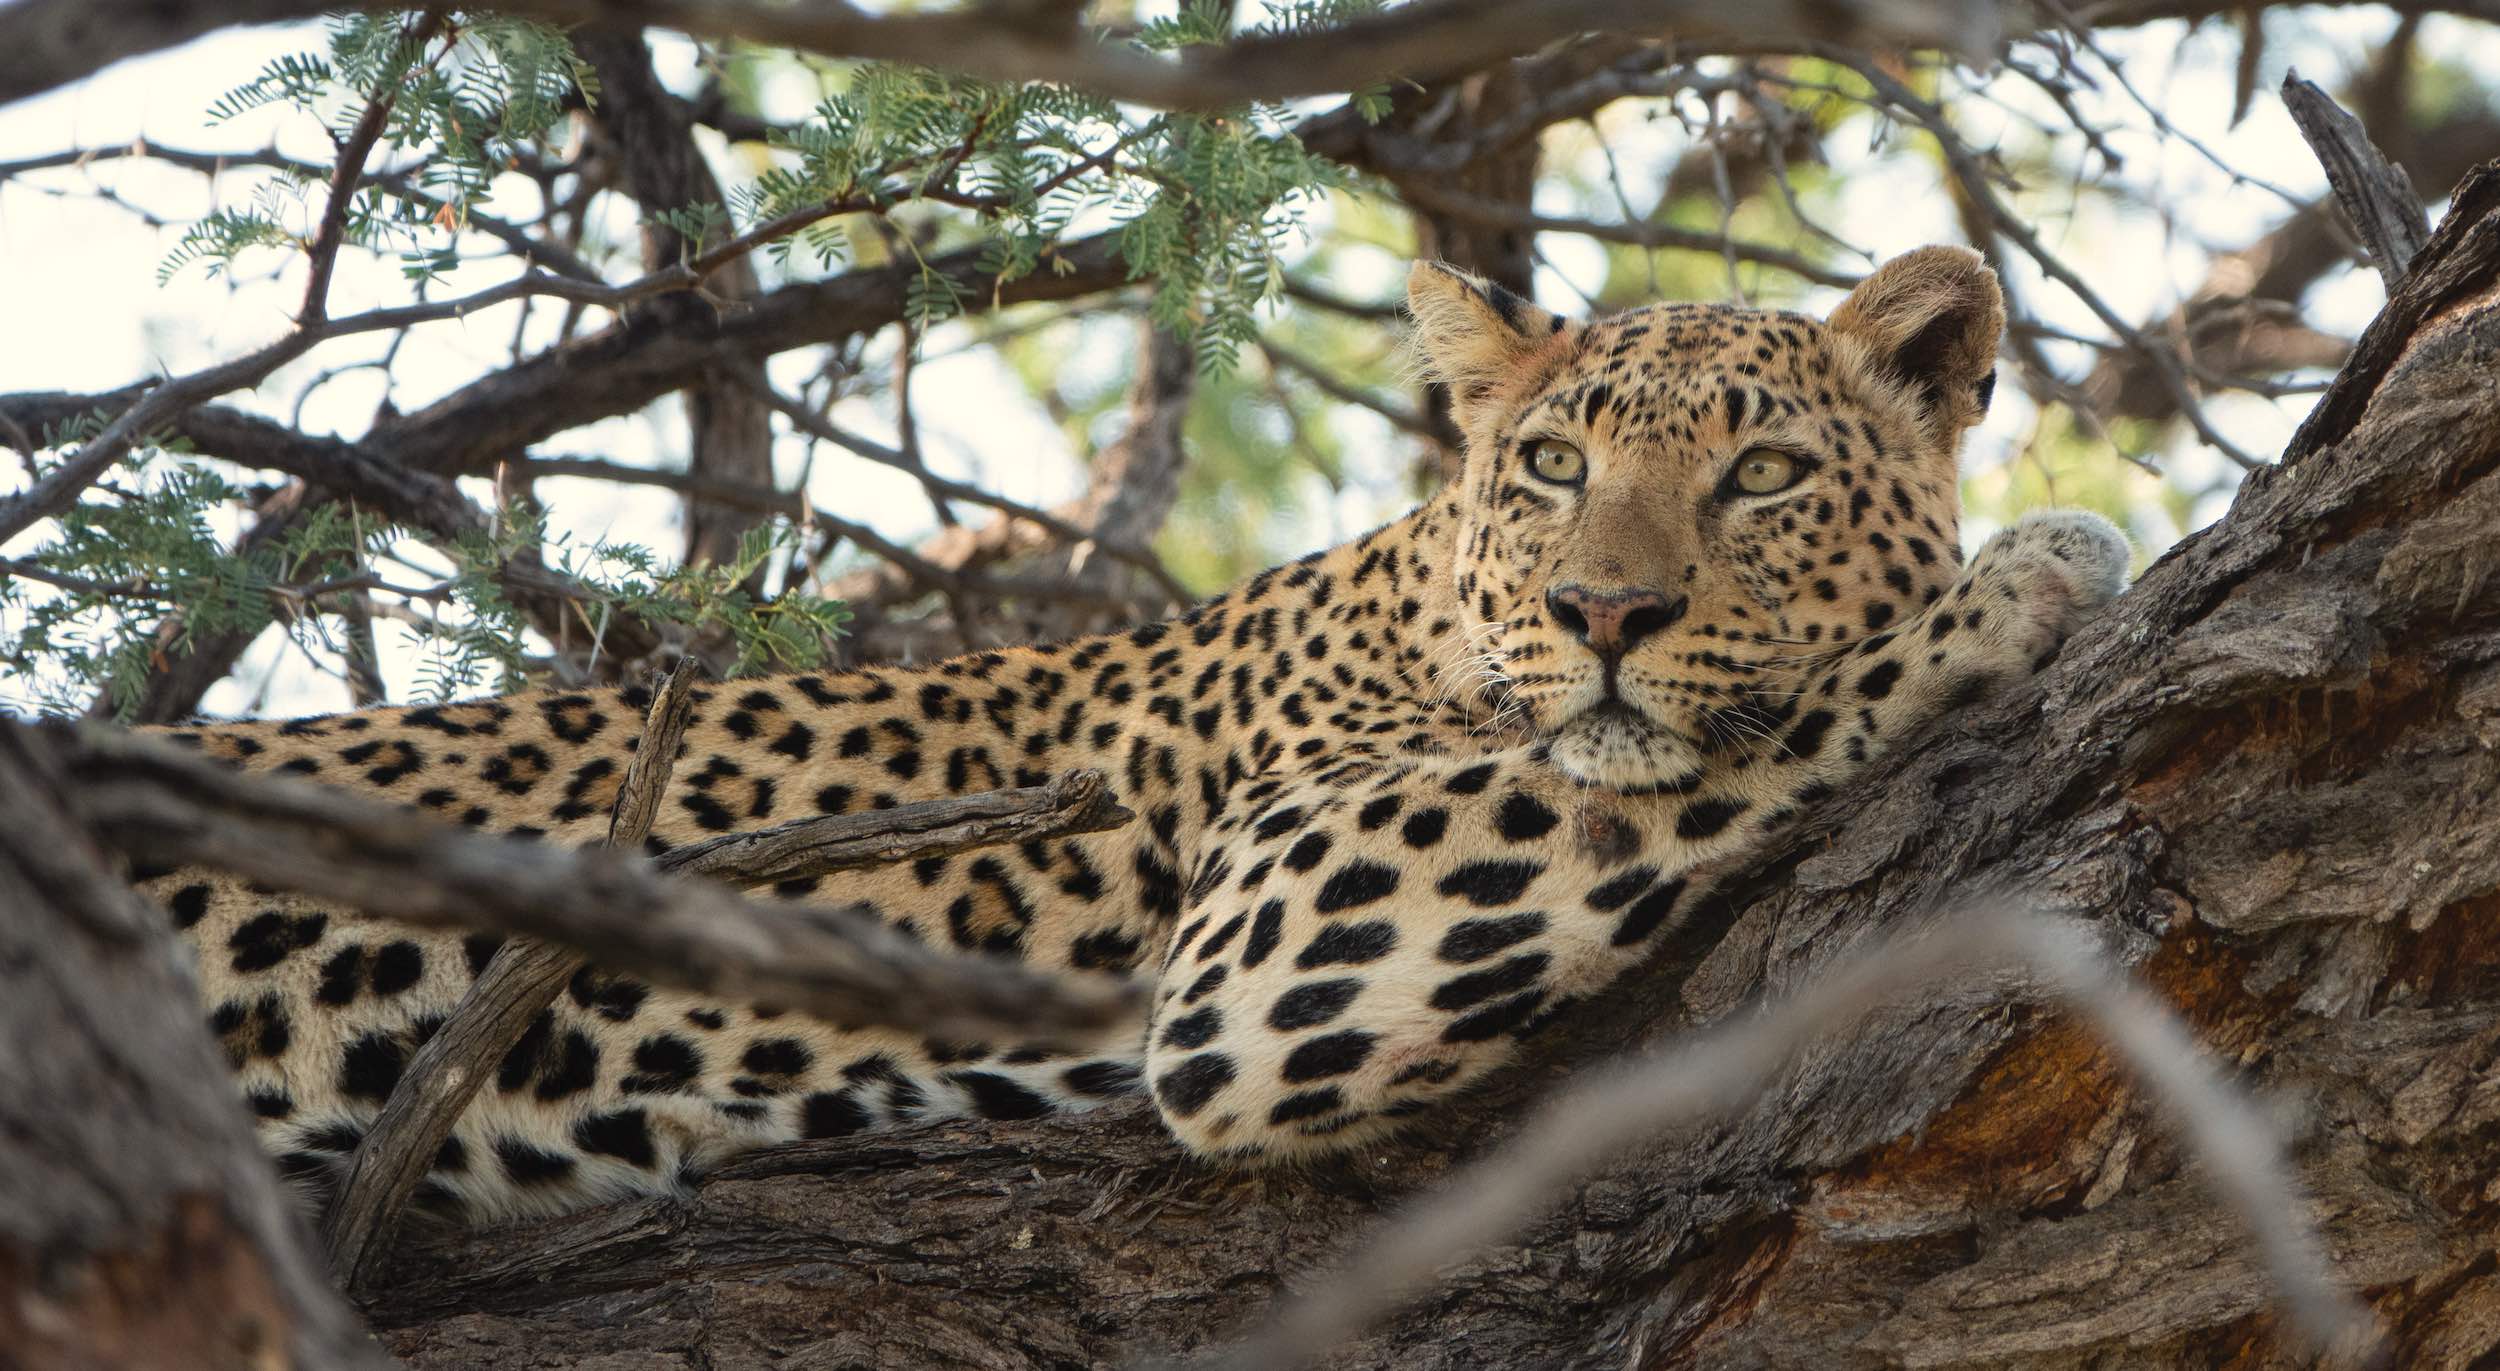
[[1613, 622]]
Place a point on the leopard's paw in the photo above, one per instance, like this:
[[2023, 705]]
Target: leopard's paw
[[2049, 572]]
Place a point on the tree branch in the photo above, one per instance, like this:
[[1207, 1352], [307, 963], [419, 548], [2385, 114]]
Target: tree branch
[[164, 402], [166, 808], [323, 254], [1636, 233], [2374, 193], [519, 982], [48, 42]]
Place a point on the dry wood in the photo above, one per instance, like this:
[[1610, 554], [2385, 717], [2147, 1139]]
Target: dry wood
[[2266, 779], [519, 982], [141, 1228], [169, 808], [1071, 802], [2373, 191]]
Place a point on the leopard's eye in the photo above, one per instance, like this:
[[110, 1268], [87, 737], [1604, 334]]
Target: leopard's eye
[[1558, 462], [1766, 471]]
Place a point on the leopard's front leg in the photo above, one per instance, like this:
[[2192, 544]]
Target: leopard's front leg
[[2028, 588], [1353, 952]]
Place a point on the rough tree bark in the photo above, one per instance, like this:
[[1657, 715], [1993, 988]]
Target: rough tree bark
[[2268, 773], [142, 1228]]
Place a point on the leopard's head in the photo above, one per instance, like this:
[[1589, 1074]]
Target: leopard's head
[[1666, 515]]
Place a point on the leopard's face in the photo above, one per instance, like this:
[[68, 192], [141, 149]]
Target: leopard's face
[[1668, 514]]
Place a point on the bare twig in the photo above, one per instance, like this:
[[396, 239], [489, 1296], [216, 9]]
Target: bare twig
[[80, 585], [2373, 191], [1636, 234], [1283, 358], [808, 421], [519, 982], [1712, 1074], [1321, 297], [1980, 192], [834, 963], [553, 257], [165, 401]]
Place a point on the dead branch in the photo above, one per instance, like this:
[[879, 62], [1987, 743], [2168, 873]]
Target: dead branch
[[2373, 191], [520, 981], [1071, 802], [166, 808]]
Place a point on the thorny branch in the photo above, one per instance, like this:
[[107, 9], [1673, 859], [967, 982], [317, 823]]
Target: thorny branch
[[323, 255]]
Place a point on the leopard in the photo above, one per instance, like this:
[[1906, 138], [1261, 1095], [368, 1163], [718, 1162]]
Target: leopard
[[1397, 805]]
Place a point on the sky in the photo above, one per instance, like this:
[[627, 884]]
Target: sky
[[79, 280]]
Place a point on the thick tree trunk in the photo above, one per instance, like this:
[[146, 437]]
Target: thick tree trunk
[[141, 1229], [2268, 774]]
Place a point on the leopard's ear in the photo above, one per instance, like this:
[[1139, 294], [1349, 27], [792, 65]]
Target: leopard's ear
[[1471, 334], [1929, 320]]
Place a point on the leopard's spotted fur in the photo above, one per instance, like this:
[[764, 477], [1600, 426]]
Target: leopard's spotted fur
[[1400, 802]]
